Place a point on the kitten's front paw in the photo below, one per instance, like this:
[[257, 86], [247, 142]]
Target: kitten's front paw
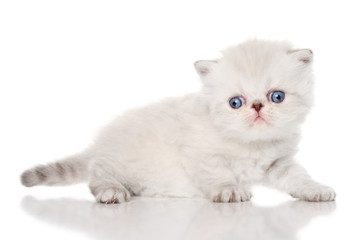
[[113, 195], [318, 193], [231, 195]]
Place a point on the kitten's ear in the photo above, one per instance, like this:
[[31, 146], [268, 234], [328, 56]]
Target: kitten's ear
[[204, 67], [303, 55]]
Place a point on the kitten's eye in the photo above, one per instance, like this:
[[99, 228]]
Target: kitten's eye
[[236, 102], [277, 96]]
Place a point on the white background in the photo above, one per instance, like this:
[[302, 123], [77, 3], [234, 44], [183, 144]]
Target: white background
[[67, 67]]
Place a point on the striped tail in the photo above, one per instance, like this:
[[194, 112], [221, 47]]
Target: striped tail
[[70, 170]]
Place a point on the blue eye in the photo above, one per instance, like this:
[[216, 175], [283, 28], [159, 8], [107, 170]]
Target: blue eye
[[236, 102], [277, 96]]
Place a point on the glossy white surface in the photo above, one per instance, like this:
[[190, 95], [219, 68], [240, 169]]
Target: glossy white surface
[[178, 218], [270, 215]]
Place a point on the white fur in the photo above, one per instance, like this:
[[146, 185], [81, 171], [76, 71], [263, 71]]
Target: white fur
[[198, 146]]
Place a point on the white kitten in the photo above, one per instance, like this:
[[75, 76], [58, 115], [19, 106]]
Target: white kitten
[[241, 129]]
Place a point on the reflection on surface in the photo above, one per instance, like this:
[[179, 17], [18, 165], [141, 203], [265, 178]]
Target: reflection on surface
[[147, 218]]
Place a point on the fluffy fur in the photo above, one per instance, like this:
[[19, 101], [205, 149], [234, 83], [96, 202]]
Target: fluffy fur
[[197, 145]]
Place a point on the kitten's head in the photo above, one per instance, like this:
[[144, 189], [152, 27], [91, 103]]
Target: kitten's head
[[258, 90]]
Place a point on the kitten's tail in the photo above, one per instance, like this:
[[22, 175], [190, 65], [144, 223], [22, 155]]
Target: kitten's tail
[[70, 170]]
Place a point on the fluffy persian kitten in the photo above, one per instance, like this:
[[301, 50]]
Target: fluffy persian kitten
[[241, 129]]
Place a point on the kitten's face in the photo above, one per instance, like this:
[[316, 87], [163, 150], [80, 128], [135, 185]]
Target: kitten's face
[[258, 90]]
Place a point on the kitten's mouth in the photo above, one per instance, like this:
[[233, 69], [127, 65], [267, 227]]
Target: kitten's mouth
[[259, 120]]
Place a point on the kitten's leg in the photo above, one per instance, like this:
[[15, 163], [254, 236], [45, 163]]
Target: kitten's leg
[[231, 193], [105, 186], [290, 177], [217, 180]]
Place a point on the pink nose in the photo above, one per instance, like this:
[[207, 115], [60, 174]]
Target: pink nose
[[257, 106]]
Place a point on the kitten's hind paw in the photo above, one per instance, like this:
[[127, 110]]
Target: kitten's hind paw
[[112, 195], [319, 193], [231, 195]]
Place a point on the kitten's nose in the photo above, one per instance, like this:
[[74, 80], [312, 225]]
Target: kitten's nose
[[257, 106]]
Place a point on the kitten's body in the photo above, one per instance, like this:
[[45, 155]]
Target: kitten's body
[[197, 145], [175, 141]]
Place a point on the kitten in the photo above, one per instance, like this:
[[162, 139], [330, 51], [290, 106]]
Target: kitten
[[241, 129]]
